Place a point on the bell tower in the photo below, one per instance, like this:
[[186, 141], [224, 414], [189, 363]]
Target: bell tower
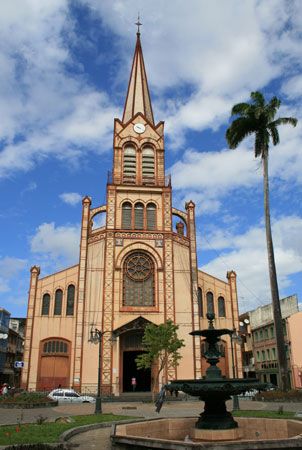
[[138, 142]]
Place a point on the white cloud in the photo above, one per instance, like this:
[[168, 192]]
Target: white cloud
[[247, 254], [46, 109], [222, 53], [9, 268], [59, 244], [71, 198]]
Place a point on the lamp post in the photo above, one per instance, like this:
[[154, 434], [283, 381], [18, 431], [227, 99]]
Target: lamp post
[[234, 337], [96, 336]]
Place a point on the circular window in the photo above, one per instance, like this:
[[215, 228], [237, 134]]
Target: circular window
[[139, 267]]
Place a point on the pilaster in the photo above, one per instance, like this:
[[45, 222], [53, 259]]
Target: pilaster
[[168, 270], [232, 280], [190, 207], [79, 330], [32, 295], [108, 300]]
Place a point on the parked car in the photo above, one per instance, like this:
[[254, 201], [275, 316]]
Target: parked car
[[70, 396]]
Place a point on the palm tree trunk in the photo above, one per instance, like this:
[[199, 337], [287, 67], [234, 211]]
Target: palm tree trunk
[[282, 359]]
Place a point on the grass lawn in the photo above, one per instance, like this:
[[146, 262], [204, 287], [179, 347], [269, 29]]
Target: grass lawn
[[266, 414], [49, 431]]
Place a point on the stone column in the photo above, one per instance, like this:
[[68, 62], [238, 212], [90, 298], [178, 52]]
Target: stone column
[[32, 295], [80, 307], [190, 207]]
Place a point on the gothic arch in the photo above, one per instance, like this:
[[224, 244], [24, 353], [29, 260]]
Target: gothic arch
[[139, 246]]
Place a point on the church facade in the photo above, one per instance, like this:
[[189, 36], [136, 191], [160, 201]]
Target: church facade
[[140, 267]]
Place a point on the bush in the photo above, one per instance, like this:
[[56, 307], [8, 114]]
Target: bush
[[280, 396], [25, 397]]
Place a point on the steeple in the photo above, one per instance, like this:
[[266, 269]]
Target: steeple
[[138, 97]]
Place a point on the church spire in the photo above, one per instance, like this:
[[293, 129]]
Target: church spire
[[138, 97]]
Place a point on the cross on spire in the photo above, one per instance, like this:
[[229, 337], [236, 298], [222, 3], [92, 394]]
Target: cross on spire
[[138, 23]]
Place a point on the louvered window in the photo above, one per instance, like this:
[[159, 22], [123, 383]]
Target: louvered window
[[210, 302], [126, 215], [70, 300], [221, 307], [139, 216], [138, 286], [151, 216], [199, 299], [129, 172], [148, 163], [58, 302], [45, 304]]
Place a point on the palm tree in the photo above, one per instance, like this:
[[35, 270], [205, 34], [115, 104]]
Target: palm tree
[[258, 118]]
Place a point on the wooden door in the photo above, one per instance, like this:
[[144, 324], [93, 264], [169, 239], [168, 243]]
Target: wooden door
[[54, 372]]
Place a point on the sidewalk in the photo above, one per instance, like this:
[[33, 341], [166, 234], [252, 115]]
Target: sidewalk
[[146, 410]]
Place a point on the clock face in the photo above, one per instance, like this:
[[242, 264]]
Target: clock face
[[139, 128]]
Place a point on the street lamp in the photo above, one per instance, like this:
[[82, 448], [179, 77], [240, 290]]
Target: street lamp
[[96, 336], [234, 338]]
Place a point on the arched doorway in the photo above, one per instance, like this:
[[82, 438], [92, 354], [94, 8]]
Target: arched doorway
[[54, 364], [130, 349]]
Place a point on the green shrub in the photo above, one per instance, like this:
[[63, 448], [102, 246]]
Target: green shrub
[[280, 396], [25, 397]]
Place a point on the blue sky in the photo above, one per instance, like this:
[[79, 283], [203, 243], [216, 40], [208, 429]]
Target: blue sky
[[63, 78]]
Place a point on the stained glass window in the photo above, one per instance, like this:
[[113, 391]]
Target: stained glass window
[[139, 216], [138, 286], [221, 307], [58, 302], [199, 299], [70, 300], [45, 304], [151, 216], [210, 302], [126, 215]]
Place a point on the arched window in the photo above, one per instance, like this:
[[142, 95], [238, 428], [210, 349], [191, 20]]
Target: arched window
[[126, 215], [139, 216], [151, 216], [58, 302], [55, 346], [210, 302], [199, 299], [45, 304], [70, 300], [148, 163], [221, 307], [129, 170], [138, 277]]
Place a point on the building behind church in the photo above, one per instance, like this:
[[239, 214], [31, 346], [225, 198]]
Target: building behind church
[[136, 269]]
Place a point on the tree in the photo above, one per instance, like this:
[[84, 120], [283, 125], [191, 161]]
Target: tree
[[258, 118], [161, 346]]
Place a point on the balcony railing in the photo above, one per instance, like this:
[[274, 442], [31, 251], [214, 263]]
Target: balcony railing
[[146, 181]]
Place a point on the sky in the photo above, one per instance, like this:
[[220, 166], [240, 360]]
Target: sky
[[65, 66]]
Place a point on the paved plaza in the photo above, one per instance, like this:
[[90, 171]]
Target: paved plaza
[[100, 438]]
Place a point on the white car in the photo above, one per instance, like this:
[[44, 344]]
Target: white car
[[70, 396]]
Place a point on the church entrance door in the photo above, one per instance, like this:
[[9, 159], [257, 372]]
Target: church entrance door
[[130, 372]]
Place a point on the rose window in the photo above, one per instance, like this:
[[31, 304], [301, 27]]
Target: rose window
[[139, 267]]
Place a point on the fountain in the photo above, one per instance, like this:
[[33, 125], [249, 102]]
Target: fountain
[[215, 423], [214, 389]]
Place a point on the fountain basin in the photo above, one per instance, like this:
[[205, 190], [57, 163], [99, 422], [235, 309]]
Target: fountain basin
[[176, 434]]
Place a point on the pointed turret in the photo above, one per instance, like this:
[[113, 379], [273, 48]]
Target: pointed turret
[[138, 96]]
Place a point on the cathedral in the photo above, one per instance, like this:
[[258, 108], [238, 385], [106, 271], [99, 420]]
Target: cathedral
[[140, 267]]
